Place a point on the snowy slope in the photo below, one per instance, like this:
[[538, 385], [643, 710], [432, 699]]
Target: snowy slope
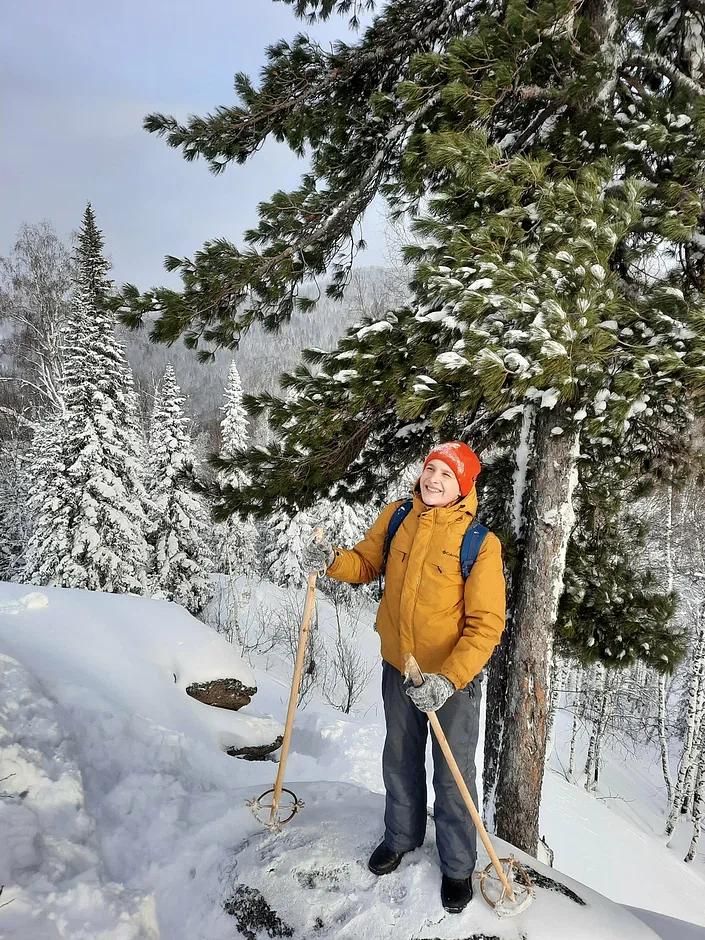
[[123, 818], [634, 866]]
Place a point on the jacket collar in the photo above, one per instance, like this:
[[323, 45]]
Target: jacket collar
[[464, 506]]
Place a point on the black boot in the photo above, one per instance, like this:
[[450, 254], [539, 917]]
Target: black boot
[[383, 860], [456, 893]]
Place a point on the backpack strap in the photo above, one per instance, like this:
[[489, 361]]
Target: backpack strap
[[475, 535], [473, 538], [398, 516]]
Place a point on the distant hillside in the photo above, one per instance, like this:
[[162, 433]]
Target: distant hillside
[[262, 357]]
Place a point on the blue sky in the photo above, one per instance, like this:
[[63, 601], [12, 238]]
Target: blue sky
[[77, 78]]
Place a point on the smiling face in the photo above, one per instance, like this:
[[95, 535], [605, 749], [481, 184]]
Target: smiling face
[[439, 486]]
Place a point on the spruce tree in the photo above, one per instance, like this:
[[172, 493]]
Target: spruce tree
[[17, 482], [88, 526], [344, 524], [557, 285], [181, 559], [285, 537], [237, 535]]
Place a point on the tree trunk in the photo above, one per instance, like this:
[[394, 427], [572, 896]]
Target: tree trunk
[[497, 679], [663, 738], [599, 704], [559, 671], [577, 711], [498, 670], [694, 716], [605, 714], [698, 802], [549, 520]]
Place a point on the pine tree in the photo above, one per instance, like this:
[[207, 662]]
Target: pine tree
[[557, 151], [181, 562], [614, 610], [88, 513], [237, 536]]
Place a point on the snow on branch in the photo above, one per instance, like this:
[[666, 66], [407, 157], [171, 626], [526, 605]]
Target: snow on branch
[[660, 64]]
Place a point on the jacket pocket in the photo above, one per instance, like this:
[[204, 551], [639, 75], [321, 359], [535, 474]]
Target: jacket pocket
[[399, 554], [447, 566]]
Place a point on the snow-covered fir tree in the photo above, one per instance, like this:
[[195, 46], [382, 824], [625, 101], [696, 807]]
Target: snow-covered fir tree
[[557, 153], [178, 531], [345, 524], [17, 483], [237, 536], [88, 519], [284, 536]]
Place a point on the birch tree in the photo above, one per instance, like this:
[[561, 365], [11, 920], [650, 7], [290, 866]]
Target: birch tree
[[35, 284]]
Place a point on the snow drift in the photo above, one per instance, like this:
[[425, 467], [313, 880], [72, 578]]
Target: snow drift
[[123, 818]]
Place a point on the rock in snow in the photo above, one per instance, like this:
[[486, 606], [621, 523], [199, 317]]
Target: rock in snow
[[221, 693]]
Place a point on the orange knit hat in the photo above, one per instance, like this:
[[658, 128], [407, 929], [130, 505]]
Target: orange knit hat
[[463, 461]]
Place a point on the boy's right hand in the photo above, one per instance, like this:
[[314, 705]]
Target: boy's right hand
[[318, 552]]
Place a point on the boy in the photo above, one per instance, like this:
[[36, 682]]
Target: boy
[[451, 625]]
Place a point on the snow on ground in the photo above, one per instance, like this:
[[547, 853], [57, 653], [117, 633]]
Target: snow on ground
[[122, 818], [626, 818], [634, 866], [314, 872]]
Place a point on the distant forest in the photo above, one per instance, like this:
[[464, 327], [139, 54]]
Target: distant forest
[[262, 357], [35, 295]]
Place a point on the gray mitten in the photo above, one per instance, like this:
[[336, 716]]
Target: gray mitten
[[318, 553], [429, 697]]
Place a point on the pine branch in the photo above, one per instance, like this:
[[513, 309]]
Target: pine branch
[[321, 10], [299, 99], [226, 290]]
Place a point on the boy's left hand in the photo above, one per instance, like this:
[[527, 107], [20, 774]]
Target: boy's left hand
[[434, 692]]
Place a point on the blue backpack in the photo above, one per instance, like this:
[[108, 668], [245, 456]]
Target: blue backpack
[[469, 547]]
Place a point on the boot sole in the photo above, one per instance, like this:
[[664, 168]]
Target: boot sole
[[387, 870], [456, 910]]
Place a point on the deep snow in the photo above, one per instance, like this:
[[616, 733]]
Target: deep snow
[[123, 818]]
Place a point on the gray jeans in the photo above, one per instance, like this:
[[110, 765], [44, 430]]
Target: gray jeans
[[404, 773]]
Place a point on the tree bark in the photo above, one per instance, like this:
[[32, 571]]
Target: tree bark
[[549, 520], [663, 740], [498, 670], [577, 714], [698, 802], [497, 680], [663, 737], [559, 672], [604, 716], [694, 718]]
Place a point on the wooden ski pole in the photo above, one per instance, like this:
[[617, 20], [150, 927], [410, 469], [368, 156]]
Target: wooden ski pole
[[304, 631], [414, 673]]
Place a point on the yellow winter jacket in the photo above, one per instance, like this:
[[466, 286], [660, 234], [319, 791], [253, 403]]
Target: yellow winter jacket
[[449, 624]]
